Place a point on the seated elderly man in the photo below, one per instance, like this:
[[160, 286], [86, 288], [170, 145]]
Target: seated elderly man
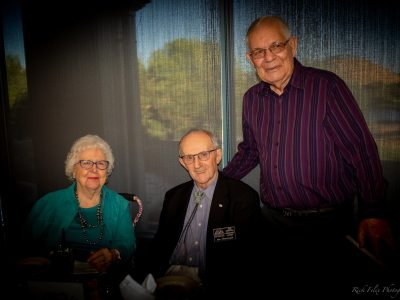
[[207, 224]]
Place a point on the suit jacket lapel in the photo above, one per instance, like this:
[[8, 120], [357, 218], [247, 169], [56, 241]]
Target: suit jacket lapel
[[183, 203], [219, 205]]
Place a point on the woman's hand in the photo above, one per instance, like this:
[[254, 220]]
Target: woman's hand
[[103, 258]]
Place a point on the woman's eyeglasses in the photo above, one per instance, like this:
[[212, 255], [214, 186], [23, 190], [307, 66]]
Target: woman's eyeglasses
[[88, 164]]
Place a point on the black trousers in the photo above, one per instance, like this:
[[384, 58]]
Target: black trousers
[[310, 255]]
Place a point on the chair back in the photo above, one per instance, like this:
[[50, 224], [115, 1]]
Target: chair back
[[134, 199]]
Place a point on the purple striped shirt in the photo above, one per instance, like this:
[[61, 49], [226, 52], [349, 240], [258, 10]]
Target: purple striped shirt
[[312, 143]]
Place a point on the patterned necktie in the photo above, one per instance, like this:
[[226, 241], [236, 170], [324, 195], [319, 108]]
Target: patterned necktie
[[198, 196]]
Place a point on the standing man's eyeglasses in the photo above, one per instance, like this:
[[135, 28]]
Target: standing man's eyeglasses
[[275, 48]]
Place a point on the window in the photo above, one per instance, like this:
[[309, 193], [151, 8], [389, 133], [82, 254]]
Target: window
[[19, 132], [180, 87]]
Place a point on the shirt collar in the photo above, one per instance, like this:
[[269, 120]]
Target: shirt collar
[[296, 80]]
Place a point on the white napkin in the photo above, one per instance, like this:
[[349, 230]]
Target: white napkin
[[130, 289], [149, 283]]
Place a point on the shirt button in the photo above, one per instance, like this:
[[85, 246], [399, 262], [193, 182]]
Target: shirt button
[[201, 205], [199, 224], [196, 242], [190, 259]]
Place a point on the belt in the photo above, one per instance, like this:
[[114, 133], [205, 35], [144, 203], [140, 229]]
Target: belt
[[291, 212]]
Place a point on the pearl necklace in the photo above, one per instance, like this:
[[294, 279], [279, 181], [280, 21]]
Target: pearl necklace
[[85, 224]]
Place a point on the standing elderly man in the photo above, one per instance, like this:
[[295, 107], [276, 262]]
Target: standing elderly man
[[304, 129], [207, 224]]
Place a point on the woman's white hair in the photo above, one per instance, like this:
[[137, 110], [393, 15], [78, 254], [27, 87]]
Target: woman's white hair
[[89, 141]]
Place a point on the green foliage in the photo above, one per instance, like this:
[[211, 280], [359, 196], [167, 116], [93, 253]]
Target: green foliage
[[180, 89], [16, 78]]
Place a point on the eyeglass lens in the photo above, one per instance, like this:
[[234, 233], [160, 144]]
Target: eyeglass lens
[[87, 164], [275, 48], [189, 159]]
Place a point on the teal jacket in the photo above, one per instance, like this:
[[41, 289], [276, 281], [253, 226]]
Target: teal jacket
[[56, 210]]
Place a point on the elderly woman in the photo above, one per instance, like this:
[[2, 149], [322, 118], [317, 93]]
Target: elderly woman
[[87, 217]]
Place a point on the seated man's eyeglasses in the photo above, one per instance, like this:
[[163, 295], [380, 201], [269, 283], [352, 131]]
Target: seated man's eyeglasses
[[88, 164], [204, 155], [275, 48]]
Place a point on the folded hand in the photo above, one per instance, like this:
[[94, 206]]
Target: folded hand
[[101, 259]]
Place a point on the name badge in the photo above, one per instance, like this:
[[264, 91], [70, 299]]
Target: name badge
[[224, 234]]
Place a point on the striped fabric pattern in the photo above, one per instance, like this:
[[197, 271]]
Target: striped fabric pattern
[[312, 143]]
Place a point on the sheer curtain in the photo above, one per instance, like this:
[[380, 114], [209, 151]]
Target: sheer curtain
[[178, 44]]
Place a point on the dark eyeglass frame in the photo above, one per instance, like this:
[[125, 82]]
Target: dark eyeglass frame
[[87, 164], [275, 48], [203, 156]]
